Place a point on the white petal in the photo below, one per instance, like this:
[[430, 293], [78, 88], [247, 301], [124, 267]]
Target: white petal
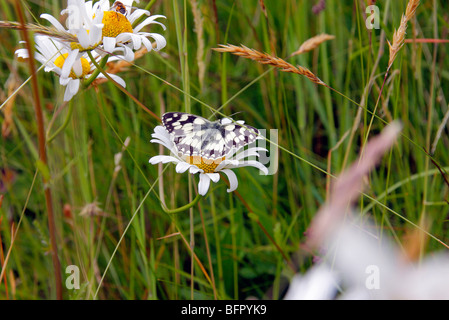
[[128, 53], [163, 159], [71, 89], [118, 79], [55, 70], [77, 67], [160, 42], [109, 44], [195, 169], [89, 8], [250, 163], [64, 81], [137, 14], [39, 57], [49, 48], [104, 5], [83, 38], [227, 164], [137, 41], [203, 185], [163, 137], [162, 134], [22, 53], [148, 21], [147, 43], [215, 177], [114, 77], [182, 167], [53, 21], [168, 145], [74, 15], [74, 86], [95, 35], [319, 283], [134, 39], [233, 182], [249, 152], [67, 94], [68, 63]]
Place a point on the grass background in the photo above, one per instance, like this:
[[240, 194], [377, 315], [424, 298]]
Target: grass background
[[94, 204]]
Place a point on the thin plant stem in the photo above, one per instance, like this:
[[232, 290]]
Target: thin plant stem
[[430, 107], [96, 72], [183, 208], [373, 115], [42, 153], [217, 242], [14, 235], [208, 252], [123, 236], [140, 104], [64, 125], [242, 200]]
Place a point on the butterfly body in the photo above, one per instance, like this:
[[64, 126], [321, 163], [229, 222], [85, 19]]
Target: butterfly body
[[196, 136]]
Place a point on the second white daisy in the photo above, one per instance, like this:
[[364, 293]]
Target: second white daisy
[[208, 170], [70, 65]]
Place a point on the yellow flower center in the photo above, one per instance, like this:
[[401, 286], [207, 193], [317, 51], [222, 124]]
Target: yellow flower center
[[59, 62], [115, 23], [76, 45], [207, 165]]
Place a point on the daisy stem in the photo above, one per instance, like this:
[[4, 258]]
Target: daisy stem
[[142, 17], [97, 71], [149, 5], [183, 208], [64, 125]]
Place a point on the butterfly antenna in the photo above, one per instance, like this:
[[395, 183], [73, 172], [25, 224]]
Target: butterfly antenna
[[230, 116], [235, 113]]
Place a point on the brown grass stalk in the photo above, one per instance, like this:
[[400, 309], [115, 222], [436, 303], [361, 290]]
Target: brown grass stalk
[[39, 29], [11, 86], [42, 154], [2, 257], [346, 189], [199, 30], [265, 58], [399, 34], [312, 43]]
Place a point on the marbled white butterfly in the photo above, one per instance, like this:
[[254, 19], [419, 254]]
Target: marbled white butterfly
[[196, 136]]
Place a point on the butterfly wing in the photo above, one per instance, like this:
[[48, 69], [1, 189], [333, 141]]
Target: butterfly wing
[[179, 123], [188, 131], [237, 135], [196, 136]]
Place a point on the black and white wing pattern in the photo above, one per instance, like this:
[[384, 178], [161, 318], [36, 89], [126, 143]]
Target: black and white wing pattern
[[196, 136]]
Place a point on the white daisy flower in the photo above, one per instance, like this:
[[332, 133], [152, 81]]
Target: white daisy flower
[[80, 22], [364, 264], [318, 283], [104, 28], [118, 32], [70, 65], [208, 170]]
